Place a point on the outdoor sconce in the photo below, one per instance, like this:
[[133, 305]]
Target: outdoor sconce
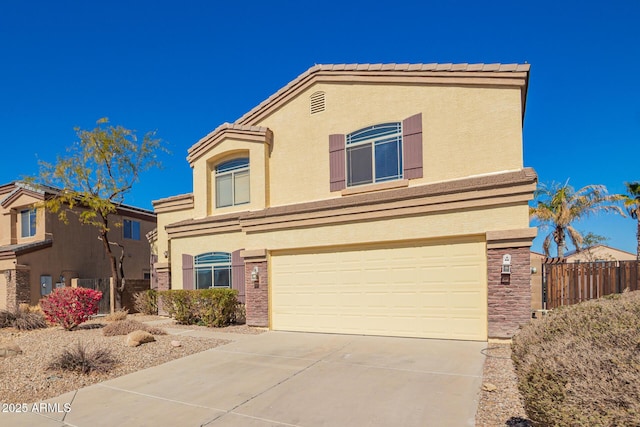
[[506, 264], [505, 276], [166, 254], [534, 270], [254, 276]]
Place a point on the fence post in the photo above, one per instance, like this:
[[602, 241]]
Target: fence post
[[112, 294]]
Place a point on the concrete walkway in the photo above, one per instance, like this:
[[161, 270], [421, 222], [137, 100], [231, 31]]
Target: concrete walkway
[[286, 379]]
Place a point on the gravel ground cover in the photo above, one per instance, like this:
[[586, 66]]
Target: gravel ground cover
[[26, 378], [500, 403]]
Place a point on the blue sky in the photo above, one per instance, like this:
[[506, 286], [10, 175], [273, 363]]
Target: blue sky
[[183, 68]]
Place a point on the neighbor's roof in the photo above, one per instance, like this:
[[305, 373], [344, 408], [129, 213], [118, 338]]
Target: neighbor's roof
[[514, 75]]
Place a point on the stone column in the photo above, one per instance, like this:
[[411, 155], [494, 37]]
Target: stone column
[[18, 286], [508, 295], [256, 291]]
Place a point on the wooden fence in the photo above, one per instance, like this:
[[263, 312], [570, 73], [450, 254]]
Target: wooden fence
[[103, 285], [571, 283]]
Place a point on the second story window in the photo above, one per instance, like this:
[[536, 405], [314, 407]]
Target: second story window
[[232, 182], [28, 222], [131, 229], [374, 154]]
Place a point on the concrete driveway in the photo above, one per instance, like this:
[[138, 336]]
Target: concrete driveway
[[288, 379]]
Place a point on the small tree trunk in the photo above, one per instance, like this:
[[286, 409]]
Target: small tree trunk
[[638, 238]]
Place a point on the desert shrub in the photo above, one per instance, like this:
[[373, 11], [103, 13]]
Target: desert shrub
[[146, 302], [241, 313], [7, 318], [81, 358], [22, 319], [580, 365], [28, 321], [117, 315], [69, 307], [127, 326], [209, 307]]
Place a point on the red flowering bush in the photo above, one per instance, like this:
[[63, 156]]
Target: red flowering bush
[[69, 307]]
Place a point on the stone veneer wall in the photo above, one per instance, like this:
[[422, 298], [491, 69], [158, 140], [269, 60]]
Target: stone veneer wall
[[18, 287], [509, 296], [257, 293]]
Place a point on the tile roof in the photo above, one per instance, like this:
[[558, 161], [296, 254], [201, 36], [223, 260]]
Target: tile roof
[[388, 70]]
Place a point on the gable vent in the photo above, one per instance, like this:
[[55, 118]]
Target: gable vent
[[317, 102]]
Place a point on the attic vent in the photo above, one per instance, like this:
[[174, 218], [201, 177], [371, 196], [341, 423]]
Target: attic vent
[[317, 102]]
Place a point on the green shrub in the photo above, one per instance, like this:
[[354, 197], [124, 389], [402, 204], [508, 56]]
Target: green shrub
[[146, 302], [209, 307], [124, 327], [580, 365], [81, 358]]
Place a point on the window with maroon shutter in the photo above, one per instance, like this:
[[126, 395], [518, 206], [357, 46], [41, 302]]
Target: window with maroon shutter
[[412, 146], [336, 162], [187, 271], [237, 274]]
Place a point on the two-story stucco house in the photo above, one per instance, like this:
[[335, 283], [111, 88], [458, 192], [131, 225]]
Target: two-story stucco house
[[372, 199], [39, 252]]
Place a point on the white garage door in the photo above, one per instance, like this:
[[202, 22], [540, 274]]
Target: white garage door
[[429, 291]]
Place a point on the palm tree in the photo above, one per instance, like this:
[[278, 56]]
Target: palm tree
[[558, 206], [631, 202]]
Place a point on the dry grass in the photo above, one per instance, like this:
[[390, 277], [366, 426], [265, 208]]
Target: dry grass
[[125, 327], [117, 315], [581, 364], [84, 359]]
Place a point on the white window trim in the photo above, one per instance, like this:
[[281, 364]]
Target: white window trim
[[31, 211], [211, 266], [232, 173], [372, 141]]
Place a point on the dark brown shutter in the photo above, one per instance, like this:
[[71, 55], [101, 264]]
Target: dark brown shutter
[[237, 274], [412, 146], [336, 162], [187, 272]]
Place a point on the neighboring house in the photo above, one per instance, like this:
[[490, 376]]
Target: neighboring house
[[599, 253], [375, 199], [38, 252]]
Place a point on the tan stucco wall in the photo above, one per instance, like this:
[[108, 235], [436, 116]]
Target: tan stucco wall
[[204, 176], [10, 232], [536, 281], [466, 131], [444, 225]]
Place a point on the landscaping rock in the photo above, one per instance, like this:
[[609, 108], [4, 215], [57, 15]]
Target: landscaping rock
[[136, 338], [489, 387], [176, 343], [9, 349]]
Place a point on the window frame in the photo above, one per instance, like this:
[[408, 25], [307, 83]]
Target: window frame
[[31, 216], [213, 262], [131, 228], [373, 137], [232, 172]]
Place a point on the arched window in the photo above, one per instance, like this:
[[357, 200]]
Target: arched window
[[232, 182], [212, 270], [374, 154]]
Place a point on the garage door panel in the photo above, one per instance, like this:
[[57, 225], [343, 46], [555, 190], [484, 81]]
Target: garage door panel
[[434, 291]]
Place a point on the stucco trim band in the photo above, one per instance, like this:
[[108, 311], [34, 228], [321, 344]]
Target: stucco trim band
[[471, 193], [511, 238]]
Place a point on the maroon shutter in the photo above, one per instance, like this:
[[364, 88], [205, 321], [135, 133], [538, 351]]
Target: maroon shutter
[[412, 146], [187, 272], [237, 274], [336, 162]]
